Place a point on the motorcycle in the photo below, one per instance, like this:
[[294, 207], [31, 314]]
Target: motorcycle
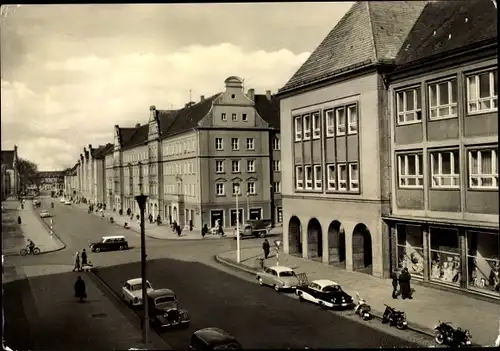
[[446, 334], [363, 309], [394, 318]]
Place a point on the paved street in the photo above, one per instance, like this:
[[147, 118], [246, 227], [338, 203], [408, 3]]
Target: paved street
[[257, 317], [428, 306]]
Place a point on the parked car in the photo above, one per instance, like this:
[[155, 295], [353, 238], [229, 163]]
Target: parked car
[[279, 277], [45, 214], [67, 202], [62, 200], [164, 309], [325, 293], [110, 243], [36, 202], [256, 227], [213, 339], [132, 291]]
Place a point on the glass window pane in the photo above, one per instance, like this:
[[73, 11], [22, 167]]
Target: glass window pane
[[340, 116], [472, 88], [435, 163], [343, 172], [445, 163], [354, 172], [420, 164], [456, 160], [417, 92], [411, 181], [444, 111], [434, 112], [484, 85], [443, 93], [453, 91], [495, 84], [443, 239], [411, 166], [402, 162], [433, 95], [410, 103], [400, 106], [487, 181]]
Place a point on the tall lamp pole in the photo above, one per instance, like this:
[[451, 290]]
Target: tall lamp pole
[[238, 253], [141, 201], [248, 206]]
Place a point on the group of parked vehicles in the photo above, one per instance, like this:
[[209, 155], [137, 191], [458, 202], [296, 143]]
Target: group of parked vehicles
[[165, 312], [329, 295]]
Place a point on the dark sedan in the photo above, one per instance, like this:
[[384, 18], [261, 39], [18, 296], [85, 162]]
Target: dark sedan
[[326, 294]]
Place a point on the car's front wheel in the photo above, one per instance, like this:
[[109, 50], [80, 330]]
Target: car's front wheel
[[97, 249], [261, 282], [276, 288], [322, 305], [301, 298]]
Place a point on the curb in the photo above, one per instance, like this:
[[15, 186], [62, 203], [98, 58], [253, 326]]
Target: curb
[[414, 327], [164, 345]]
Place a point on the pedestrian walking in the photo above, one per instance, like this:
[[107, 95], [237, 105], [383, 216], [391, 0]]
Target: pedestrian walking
[[84, 257], [404, 284], [394, 277], [77, 262], [80, 289], [204, 230], [150, 217], [178, 230], [266, 247], [19, 220]]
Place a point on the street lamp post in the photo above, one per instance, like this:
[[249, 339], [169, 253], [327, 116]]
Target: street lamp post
[[238, 253], [141, 201], [248, 206]]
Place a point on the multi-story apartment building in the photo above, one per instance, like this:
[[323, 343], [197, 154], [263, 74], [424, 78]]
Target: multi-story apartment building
[[444, 146], [70, 182], [335, 146], [10, 182], [189, 161]]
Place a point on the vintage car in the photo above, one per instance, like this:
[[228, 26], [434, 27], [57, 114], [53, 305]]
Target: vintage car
[[132, 291], [256, 227], [213, 339], [67, 202], [62, 200], [45, 214], [164, 309], [279, 277], [326, 294], [110, 243]]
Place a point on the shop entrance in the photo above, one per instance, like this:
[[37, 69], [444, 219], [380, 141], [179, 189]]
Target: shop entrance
[[233, 217], [216, 215], [255, 213], [294, 237]]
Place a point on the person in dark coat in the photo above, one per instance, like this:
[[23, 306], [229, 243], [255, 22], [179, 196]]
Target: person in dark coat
[[84, 257], [266, 247], [80, 290], [19, 220], [178, 230], [150, 217], [394, 277], [204, 230], [404, 284]]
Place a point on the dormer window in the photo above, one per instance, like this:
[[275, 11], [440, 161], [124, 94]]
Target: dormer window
[[223, 117]]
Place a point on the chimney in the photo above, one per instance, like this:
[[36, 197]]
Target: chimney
[[137, 125], [251, 94], [268, 94], [202, 98], [152, 108]]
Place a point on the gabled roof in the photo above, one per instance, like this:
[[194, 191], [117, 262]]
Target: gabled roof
[[140, 136], [370, 32], [166, 118], [103, 150], [189, 117], [445, 26], [8, 159], [269, 110], [126, 134]]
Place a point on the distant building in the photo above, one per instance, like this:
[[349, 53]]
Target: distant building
[[10, 179], [51, 180]]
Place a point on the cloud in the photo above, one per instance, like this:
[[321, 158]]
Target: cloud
[[93, 93]]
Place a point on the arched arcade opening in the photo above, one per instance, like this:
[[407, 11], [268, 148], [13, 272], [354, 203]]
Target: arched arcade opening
[[336, 244], [314, 240], [294, 237], [362, 249]]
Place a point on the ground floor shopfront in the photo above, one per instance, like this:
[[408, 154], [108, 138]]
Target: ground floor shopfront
[[227, 214], [462, 257]]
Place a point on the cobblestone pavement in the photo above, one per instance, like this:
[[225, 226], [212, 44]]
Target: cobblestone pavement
[[423, 312]]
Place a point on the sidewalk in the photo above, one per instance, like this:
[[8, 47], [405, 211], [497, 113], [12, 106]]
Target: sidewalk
[[153, 230], [423, 312], [56, 320], [31, 227]]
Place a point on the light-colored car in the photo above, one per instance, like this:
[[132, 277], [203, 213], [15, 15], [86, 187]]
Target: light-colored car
[[62, 200], [67, 202], [279, 277], [45, 214], [132, 291]]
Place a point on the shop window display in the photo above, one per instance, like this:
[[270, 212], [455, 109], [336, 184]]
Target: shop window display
[[483, 261], [410, 249], [445, 257]]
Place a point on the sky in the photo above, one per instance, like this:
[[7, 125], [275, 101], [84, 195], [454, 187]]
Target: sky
[[69, 73]]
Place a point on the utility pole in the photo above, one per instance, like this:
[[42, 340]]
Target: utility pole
[[141, 201]]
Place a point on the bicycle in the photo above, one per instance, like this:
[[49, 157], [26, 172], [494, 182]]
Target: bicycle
[[27, 251]]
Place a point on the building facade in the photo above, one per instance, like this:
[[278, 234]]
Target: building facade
[[334, 136], [191, 161], [10, 179], [52, 180], [444, 148]]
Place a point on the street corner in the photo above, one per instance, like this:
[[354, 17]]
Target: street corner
[[229, 261]]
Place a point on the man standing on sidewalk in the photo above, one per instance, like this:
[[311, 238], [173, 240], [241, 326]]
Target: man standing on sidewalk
[[266, 247], [394, 277]]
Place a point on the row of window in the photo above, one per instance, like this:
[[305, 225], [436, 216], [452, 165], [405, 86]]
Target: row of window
[[180, 147], [335, 122], [234, 117], [482, 96], [174, 189], [235, 144], [220, 189], [338, 177], [184, 168], [236, 166], [135, 156], [445, 169]]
